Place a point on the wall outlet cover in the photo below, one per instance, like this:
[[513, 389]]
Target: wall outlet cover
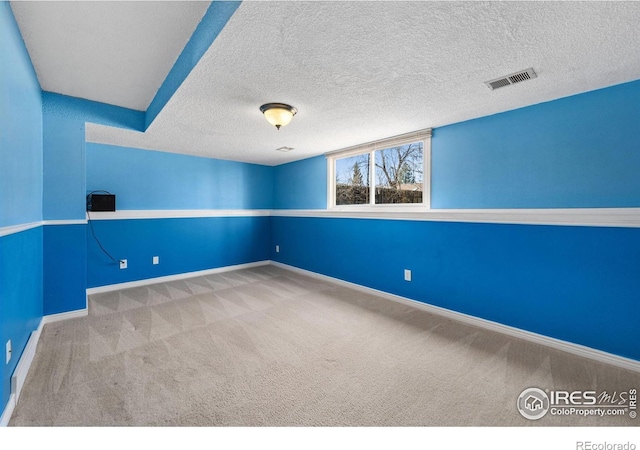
[[123, 263]]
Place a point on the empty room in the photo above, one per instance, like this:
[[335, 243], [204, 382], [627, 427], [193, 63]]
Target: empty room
[[320, 214]]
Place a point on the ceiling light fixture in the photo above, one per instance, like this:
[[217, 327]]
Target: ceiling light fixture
[[278, 114]]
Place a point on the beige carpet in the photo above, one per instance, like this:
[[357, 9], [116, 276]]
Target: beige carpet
[[265, 346]]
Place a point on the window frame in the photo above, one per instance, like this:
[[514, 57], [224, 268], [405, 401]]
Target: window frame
[[423, 136]]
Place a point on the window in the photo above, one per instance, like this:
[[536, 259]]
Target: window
[[352, 180], [396, 168]]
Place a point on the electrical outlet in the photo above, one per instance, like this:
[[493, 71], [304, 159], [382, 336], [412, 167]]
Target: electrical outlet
[[156, 260], [123, 263], [277, 249], [407, 275], [9, 351]]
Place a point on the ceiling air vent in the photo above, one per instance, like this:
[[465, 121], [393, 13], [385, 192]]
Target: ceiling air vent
[[514, 78]]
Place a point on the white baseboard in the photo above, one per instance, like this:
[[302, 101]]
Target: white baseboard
[[22, 368], [569, 347], [8, 411], [64, 316], [180, 276]]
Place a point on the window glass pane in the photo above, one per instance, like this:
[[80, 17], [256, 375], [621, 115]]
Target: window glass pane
[[352, 180], [399, 174]]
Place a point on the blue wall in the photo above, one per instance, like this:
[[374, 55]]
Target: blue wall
[[183, 245], [82, 110], [64, 172], [20, 195], [576, 152], [64, 199], [21, 132], [151, 180], [579, 284], [144, 179], [65, 255], [20, 297], [301, 184], [64, 149]]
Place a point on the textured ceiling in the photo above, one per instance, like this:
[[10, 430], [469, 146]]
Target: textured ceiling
[[361, 71], [111, 52]]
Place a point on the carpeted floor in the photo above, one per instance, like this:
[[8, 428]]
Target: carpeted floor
[[269, 347]]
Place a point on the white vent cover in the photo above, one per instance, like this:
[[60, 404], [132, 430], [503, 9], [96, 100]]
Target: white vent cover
[[514, 78], [284, 149]]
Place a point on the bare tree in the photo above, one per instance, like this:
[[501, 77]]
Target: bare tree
[[399, 164]]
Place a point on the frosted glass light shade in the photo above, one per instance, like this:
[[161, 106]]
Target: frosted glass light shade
[[278, 114]]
